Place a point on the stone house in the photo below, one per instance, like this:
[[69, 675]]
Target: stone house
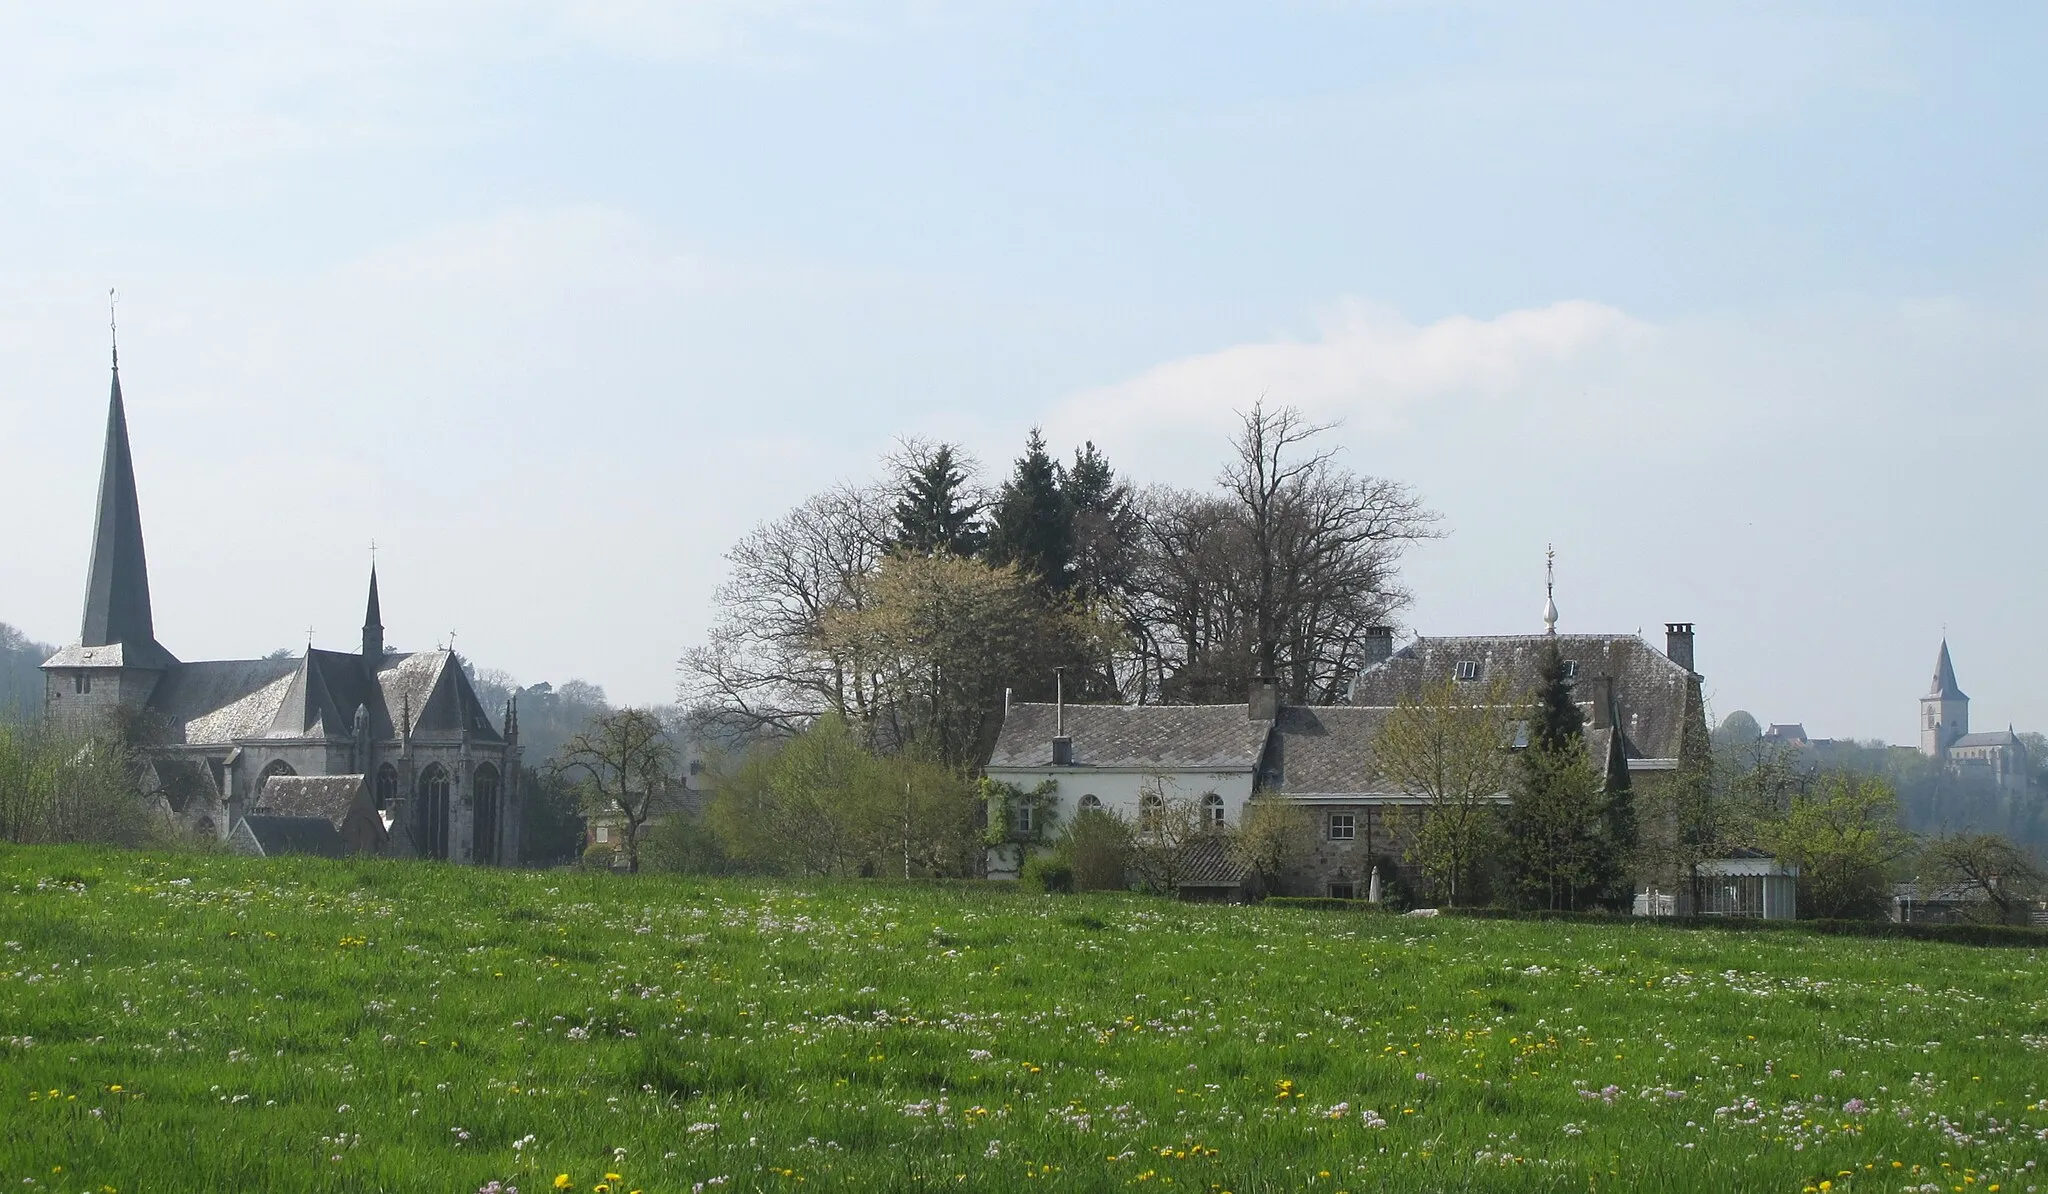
[[1644, 712], [406, 728]]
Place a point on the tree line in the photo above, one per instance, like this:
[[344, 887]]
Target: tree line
[[906, 605]]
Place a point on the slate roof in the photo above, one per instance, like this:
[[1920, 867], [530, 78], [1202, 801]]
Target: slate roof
[[1650, 690], [292, 835], [328, 797], [1176, 737], [1324, 751], [1327, 750], [117, 583], [1209, 864], [1988, 738], [220, 700], [217, 702], [1944, 684]]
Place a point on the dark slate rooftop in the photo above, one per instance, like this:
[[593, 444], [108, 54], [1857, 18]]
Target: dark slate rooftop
[[217, 702], [1182, 737], [1327, 750], [328, 797], [1650, 690], [1209, 863], [295, 835], [220, 700]]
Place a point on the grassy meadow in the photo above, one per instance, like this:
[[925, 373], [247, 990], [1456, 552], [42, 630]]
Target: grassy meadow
[[201, 1022]]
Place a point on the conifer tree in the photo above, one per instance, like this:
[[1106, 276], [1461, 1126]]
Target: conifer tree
[[1033, 525], [1555, 819], [934, 509]]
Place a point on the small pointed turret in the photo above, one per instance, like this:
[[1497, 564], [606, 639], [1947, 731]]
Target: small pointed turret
[[117, 608], [373, 625]]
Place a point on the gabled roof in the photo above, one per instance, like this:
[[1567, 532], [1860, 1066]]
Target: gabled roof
[[1167, 737], [1988, 738], [268, 836], [1650, 691], [218, 702], [328, 797]]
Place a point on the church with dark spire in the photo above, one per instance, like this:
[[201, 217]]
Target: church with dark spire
[[332, 752], [1998, 756]]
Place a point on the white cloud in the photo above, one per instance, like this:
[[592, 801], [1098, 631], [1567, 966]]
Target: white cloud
[[1365, 360], [1820, 486]]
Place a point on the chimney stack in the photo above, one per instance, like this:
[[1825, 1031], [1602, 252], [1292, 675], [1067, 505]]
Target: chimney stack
[[1599, 694], [1379, 644], [1678, 644], [1062, 746], [1264, 704]]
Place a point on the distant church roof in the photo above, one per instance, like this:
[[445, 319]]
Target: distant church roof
[[117, 589], [1944, 685]]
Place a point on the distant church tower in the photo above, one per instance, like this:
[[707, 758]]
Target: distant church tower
[[1944, 711]]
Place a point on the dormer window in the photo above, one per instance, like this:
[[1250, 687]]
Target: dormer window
[[1571, 669], [1468, 669]]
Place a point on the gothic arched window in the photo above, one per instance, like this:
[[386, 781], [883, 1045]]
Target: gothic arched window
[[276, 767], [433, 818], [484, 790], [387, 786]]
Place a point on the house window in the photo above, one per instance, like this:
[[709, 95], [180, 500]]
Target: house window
[[1021, 818], [81, 682], [1468, 669], [1343, 826], [1212, 811], [1151, 812], [1091, 802], [1571, 669], [1343, 891], [603, 834]]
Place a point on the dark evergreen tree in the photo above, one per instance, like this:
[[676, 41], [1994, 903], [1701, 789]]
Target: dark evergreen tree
[[1106, 526], [934, 510], [1555, 720], [1033, 525], [1557, 849]]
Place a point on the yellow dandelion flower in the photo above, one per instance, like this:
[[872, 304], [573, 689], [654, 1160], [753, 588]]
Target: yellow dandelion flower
[[562, 1181]]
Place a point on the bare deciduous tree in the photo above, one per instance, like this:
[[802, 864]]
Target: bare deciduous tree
[[1280, 574], [625, 763], [768, 665]]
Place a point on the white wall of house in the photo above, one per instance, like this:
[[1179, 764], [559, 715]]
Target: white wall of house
[[1120, 790]]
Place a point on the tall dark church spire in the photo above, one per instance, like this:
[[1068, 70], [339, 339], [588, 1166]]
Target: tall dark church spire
[[373, 624], [117, 588]]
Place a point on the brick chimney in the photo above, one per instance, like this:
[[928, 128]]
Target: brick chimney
[[1678, 644], [1379, 644]]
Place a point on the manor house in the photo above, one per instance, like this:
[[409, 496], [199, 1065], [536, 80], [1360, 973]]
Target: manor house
[[326, 752]]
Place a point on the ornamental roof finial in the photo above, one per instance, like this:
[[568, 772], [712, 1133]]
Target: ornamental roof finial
[[1549, 589]]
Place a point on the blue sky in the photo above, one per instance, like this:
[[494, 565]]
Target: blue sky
[[1743, 307]]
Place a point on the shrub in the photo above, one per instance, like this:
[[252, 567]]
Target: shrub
[[1048, 873]]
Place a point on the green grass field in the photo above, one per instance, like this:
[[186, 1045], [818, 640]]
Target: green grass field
[[179, 1022]]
